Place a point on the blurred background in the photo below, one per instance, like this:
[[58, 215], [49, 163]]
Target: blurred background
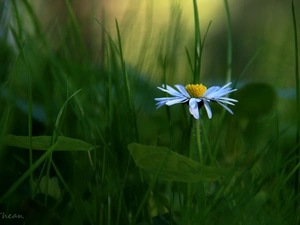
[[155, 37], [154, 29]]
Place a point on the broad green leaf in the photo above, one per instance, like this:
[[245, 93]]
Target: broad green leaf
[[44, 142], [171, 166]]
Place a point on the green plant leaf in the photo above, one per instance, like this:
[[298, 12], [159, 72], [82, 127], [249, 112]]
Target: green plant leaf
[[44, 143], [171, 166], [49, 186]]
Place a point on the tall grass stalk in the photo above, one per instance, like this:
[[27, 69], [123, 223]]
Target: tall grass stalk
[[297, 106], [195, 124], [149, 190], [121, 198], [229, 42], [127, 87], [29, 77], [164, 81], [228, 71], [198, 140], [197, 47], [76, 28]]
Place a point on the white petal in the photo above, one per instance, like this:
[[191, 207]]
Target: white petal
[[171, 91], [229, 99], [229, 110], [193, 107], [216, 92], [163, 101], [182, 90], [211, 90], [224, 101], [176, 101], [208, 109], [160, 103], [226, 85], [164, 98], [225, 91]]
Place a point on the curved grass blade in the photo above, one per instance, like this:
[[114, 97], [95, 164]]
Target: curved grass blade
[[198, 47], [229, 43], [298, 105], [60, 117], [126, 83]]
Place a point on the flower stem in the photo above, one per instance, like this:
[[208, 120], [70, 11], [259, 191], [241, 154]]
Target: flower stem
[[195, 130], [189, 185], [198, 140]]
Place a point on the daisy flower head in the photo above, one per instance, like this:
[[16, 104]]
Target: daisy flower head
[[197, 95]]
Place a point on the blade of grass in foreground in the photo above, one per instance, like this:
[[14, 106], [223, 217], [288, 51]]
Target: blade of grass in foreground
[[29, 74], [298, 107], [14, 187], [229, 43], [76, 28], [198, 47], [127, 87], [60, 117]]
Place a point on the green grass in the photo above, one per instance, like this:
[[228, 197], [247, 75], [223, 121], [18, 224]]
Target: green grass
[[82, 142]]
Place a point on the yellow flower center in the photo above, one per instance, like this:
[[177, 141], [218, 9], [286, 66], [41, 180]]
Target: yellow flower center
[[195, 90]]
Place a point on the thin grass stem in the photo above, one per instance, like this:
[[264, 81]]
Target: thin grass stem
[[198, 47], [122, 191], [29, 113], [127, 87], [150, 188], [298, 105], [49, 160], [198, 140], [30, 130], [189, 185], [167, 108], [189, 60], [229, 43], [76, 28]]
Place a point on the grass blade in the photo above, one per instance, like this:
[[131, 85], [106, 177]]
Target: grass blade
[[229, 43], [126, 82], [298, 105], [198, 47], [26, 174]]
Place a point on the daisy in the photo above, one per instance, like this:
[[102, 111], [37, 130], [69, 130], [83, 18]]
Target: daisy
[[197, 95]]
